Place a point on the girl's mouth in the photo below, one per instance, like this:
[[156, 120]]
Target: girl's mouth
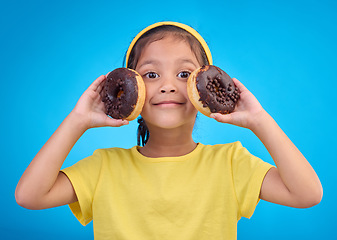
[[168, 103]]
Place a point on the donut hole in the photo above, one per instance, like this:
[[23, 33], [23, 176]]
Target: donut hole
[[119, 94], [216, 88]]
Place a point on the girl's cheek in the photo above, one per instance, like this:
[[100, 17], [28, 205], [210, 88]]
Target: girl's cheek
[[149, 90]]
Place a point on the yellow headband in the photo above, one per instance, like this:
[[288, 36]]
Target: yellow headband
[[180, 25]]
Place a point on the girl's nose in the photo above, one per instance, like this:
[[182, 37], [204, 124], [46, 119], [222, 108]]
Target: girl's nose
[[164, 91], [168, 86]]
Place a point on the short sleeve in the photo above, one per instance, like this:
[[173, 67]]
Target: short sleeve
[[248, 174], [84, 176]]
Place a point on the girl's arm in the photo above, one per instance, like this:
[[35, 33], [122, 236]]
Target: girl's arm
[[294, 182], [42, 185]]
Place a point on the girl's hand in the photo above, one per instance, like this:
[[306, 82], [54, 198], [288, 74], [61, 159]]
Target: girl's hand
[[90, 108], [246, 112]]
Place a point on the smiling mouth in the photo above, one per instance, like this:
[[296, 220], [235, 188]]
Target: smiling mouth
[[168, 103]]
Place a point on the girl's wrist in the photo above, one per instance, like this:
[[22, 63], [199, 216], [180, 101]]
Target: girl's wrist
[[78, 121], [258, 120]]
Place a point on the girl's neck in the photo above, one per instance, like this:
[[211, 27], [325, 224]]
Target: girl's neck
[[168, 143]]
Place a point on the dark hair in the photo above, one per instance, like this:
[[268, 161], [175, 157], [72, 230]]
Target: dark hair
[[153, 35]]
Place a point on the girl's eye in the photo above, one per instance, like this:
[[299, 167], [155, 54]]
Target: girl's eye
[[151, 75], [184, 74]]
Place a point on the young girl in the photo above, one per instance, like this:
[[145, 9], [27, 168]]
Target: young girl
[[172, 187]]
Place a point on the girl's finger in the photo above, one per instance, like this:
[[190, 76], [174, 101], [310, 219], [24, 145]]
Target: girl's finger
[[224, 118], [115, 122], [100, 86], [97, 83], [239, 85]]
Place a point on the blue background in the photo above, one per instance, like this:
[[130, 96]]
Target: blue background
[[283, 51]]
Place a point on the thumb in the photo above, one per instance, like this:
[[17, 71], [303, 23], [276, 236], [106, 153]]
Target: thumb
[[224, 118], [115, 122]]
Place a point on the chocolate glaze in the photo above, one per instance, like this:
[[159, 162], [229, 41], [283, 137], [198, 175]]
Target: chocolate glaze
[[217, 90], [120, 93]]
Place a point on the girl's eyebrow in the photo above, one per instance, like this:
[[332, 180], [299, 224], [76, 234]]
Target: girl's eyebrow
[[149, 62], [186, 60], [156, 62]]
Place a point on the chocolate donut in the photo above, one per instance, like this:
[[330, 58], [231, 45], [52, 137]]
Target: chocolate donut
[[123, 94], [212, 90]]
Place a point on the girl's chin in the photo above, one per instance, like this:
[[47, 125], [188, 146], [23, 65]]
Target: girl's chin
[[168, 123]]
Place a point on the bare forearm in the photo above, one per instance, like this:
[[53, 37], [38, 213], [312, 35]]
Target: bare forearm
[[296, 172], [42, 172]]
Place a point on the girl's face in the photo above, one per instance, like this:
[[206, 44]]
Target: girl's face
[[165, 66]]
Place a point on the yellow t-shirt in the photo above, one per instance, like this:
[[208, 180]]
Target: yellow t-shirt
[[200, 195]]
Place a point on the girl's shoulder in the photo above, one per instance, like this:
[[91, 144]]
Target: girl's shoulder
[[225, 147], [114, 152], [233, 152]]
